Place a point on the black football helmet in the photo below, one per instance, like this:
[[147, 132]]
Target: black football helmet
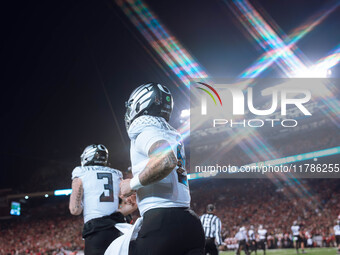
[[95, 154], [149, 99]]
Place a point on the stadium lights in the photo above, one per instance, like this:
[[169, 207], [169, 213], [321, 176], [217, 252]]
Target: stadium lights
[[185, 113], [62, 192], [26, 197], [46, 195], [313, 72]]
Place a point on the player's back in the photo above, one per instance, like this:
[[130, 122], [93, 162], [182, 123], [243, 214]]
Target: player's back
[[251, 234], [240, 235], [295, 230], [262, 233], [101, 190], [173, 190], [337, 230]]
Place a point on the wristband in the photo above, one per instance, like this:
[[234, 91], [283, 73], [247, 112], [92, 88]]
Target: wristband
[[135, 183]]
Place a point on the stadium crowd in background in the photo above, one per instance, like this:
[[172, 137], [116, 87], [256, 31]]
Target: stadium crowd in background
[[50, 230], [292, 144], [276, 205], [315, 204], [56, 176]]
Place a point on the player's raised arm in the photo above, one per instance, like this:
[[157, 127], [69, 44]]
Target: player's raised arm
[[76, 197], [162, 161]]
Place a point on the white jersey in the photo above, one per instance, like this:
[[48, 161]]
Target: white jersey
[[262, 234], [173, 190], [295, 230], [241, 235], [251, 234], [101, 190], [337, 230]]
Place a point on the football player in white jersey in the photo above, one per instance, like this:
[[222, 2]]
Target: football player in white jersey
[[252, 239], [297, 237], [159, 177], [95, 190], [337, 233], [242, 239], [262, 232]]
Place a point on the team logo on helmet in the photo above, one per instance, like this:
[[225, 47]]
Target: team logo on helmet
[[95, 154], [149, 99]]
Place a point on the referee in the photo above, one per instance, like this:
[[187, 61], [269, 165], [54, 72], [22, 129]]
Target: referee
[[212, 228]]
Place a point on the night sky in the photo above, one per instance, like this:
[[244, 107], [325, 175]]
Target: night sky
[[65, 62]]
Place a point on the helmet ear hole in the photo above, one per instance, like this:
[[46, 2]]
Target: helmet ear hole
[[166, 89]]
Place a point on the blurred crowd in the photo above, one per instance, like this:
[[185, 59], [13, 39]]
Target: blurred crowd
[[275, 204], [219, 149], [49, 230]]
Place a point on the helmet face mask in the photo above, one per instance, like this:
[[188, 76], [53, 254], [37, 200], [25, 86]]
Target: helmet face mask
[[95, 154], [148, 99]]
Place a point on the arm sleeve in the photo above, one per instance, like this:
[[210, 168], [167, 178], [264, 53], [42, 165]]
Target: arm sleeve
[[218, 230], [78, 172], [148, 137]]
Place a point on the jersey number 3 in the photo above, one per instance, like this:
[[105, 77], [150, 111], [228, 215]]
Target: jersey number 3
[[108, 186]]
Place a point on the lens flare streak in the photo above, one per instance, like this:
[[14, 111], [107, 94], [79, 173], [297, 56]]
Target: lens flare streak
[[159, 38]]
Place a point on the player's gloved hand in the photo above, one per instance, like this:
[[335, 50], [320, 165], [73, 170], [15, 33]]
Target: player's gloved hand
[[125, 189]]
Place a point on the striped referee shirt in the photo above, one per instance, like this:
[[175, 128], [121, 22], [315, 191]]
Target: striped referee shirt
[[212, 227]]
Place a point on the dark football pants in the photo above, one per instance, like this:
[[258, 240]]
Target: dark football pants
[[100, 232], [242, 245], [169, 231], [262, 244], [253, 246], [337, 238], [210, 246], [97, 243]]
